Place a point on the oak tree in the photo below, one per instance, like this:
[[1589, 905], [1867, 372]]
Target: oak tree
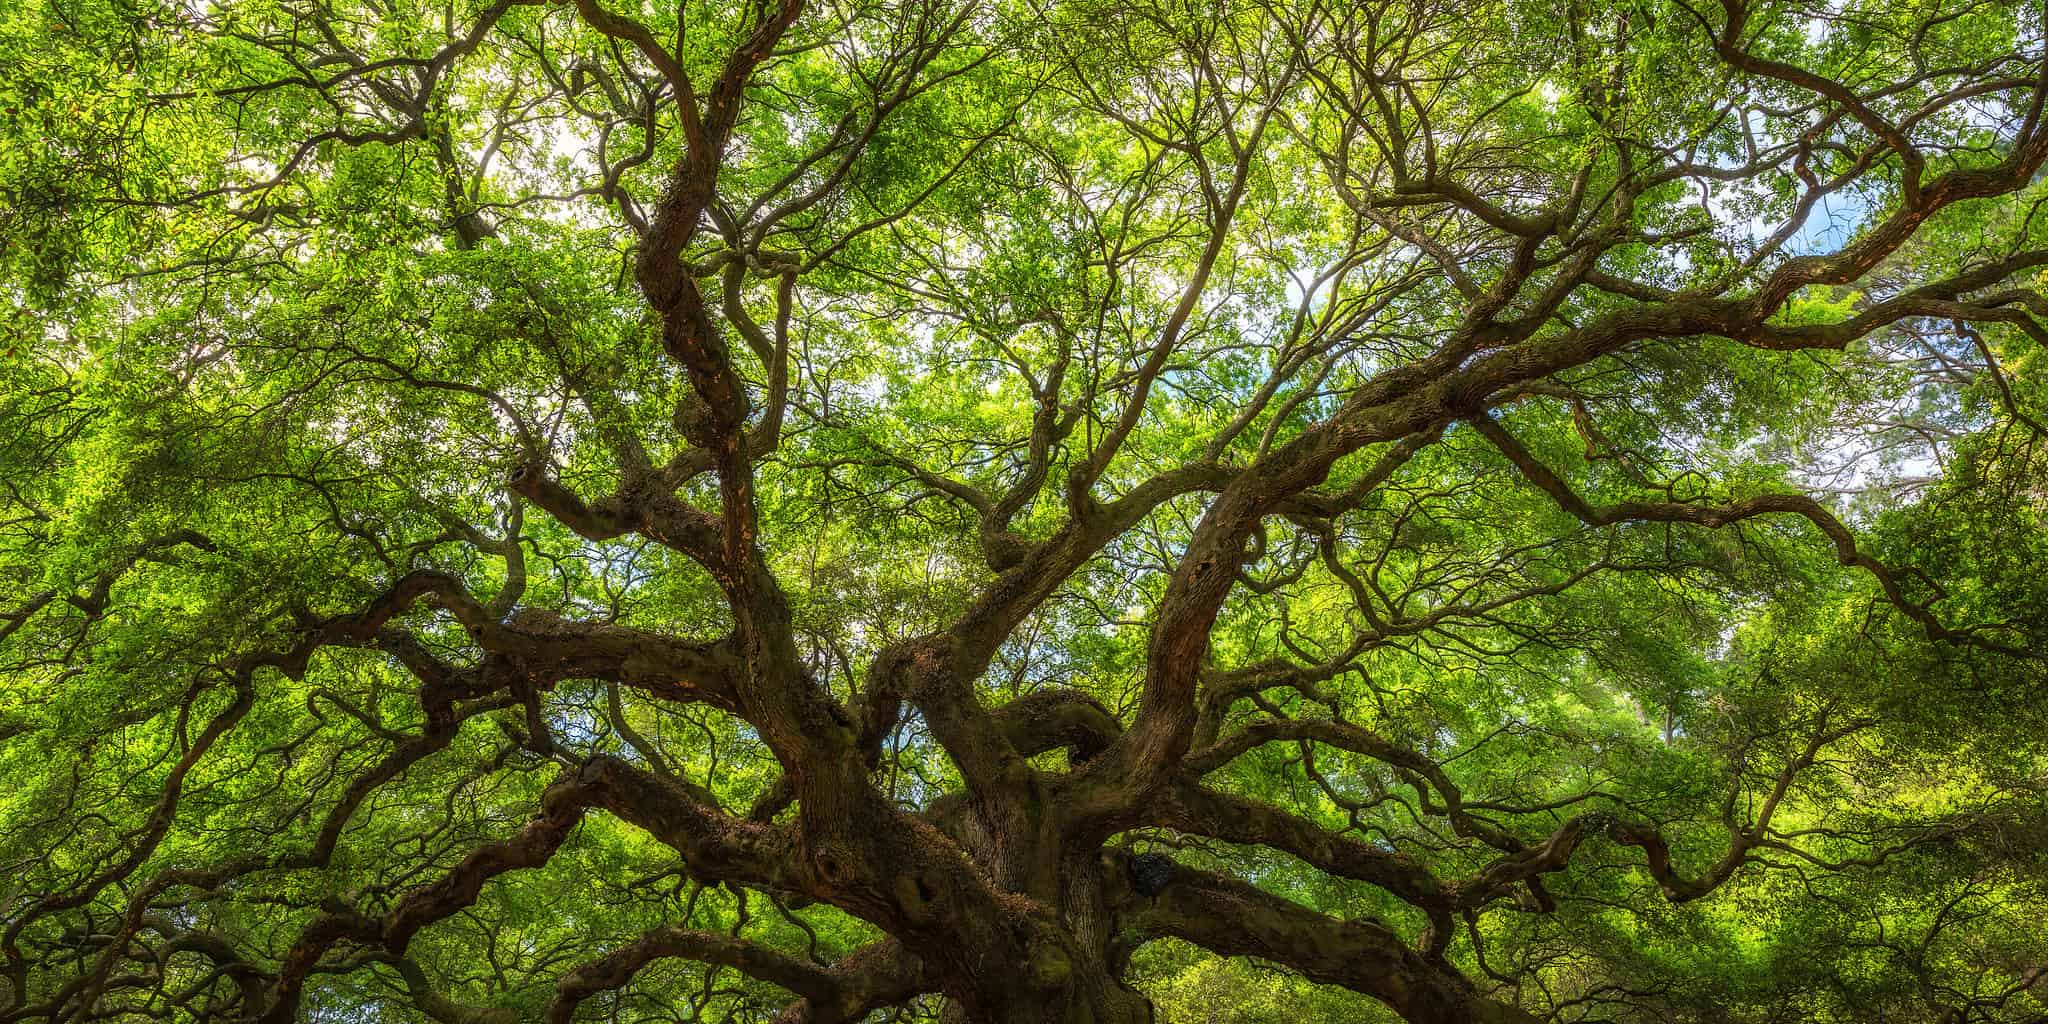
[[835, 510]]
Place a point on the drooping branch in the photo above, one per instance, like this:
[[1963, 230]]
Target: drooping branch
[[562, 808], [93, 600], [818, 986], [439, 1007], [715, 846], [638, 659], [1714, 516], [1195, 809], [1235, 919], [874, 977], [1427, 775]]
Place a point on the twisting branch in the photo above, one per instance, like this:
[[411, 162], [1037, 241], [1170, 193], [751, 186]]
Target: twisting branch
[[1714, 516], [1229, 917], [816, 985]]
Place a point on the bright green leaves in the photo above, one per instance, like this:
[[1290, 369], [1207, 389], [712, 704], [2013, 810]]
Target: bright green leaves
[[314, 280]]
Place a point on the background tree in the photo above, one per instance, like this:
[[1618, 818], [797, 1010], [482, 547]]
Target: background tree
[[872, 509]]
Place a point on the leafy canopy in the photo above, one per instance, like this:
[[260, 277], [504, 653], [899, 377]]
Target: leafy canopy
[[1012, 510]]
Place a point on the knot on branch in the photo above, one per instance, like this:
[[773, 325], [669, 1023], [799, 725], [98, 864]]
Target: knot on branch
[[523, 477], [694, 420], [1004, 549], [1150, 873]]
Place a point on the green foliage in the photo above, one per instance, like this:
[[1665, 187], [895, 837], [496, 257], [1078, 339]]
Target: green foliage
[[290, 294]]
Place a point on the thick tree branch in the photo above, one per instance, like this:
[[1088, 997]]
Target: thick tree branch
[[1234, 919]]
